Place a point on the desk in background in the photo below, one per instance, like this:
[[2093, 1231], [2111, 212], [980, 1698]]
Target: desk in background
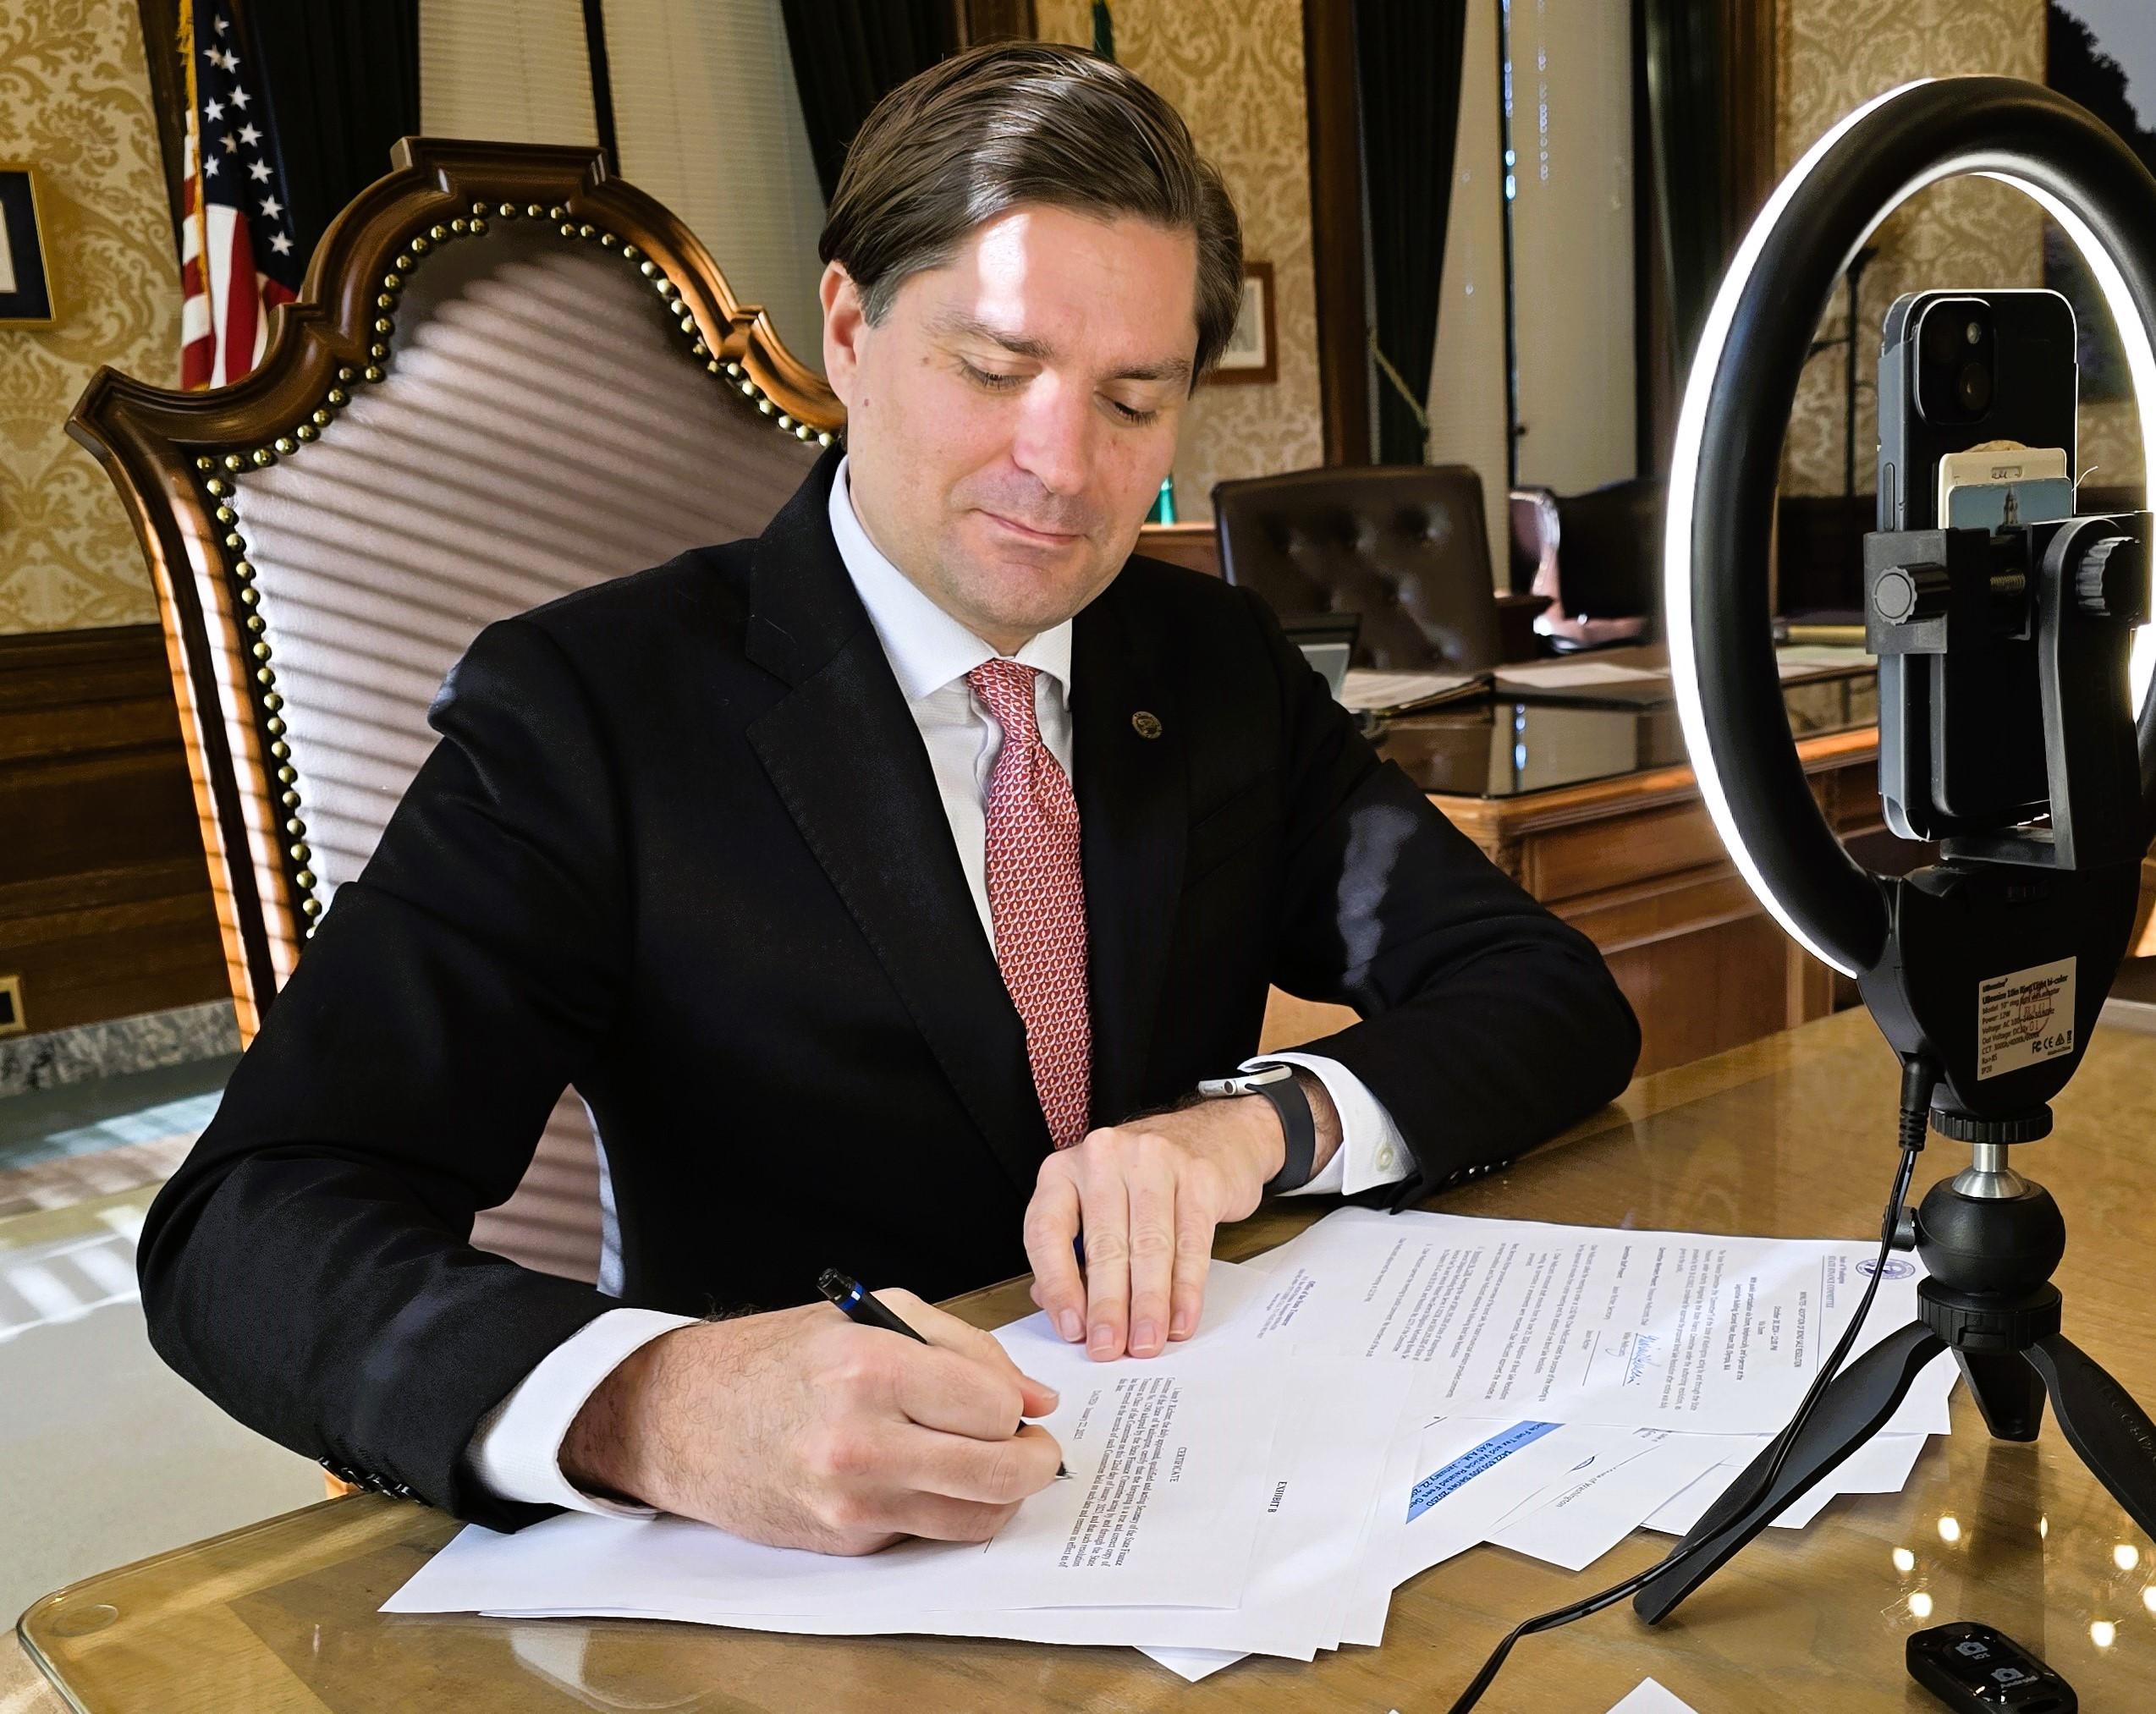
[[1594, 810], [1791, 1136]]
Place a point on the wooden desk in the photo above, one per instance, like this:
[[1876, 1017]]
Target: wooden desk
[[1791, 1136], [1634, 862]]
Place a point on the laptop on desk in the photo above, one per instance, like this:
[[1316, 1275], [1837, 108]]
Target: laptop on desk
[[1328, 643]]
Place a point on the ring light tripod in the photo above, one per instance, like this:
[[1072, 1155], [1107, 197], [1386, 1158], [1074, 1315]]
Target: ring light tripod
[[2012, 923]]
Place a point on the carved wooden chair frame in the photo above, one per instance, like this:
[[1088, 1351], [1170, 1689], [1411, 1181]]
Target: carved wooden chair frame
[[173, 455]]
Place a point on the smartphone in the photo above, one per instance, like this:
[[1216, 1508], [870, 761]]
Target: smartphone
[[1961, 736]]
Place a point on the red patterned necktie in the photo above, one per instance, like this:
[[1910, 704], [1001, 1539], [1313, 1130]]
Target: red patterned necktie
[[1037, 899]]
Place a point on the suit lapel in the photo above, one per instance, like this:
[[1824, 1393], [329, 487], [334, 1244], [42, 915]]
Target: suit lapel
[[846, 757], [1132, 790]]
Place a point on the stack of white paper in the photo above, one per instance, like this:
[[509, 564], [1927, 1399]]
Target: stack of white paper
[[1375, 1396]]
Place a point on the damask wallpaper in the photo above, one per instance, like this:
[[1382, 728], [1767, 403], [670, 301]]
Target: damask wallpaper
[[1836, 54], [74, 102], [1235, 72]]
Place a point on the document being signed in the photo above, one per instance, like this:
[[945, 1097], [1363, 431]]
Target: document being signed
[[1380, 1395], [1525, 1319], [1169, 1474]]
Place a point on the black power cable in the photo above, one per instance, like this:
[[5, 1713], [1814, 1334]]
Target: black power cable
[[1918, 1079]]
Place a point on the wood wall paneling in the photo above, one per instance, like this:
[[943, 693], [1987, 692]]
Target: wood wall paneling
[[1336, 231], [105, 906]]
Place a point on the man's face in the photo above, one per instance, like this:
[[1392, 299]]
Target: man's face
[[1009, 420]]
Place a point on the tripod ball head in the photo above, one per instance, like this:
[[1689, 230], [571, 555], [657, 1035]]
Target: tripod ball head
[[2004, 1246]]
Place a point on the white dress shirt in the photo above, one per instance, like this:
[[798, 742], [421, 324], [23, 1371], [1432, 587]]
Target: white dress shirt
[[515, 1451]]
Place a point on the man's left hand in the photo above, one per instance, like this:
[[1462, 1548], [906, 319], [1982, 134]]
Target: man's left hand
[[1145, 1198]]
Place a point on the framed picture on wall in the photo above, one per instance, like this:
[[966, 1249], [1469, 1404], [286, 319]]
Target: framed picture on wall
[[25, 291], [1250, 354]]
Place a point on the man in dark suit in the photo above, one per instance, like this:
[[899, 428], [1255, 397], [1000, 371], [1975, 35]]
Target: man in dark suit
[[887, 886]]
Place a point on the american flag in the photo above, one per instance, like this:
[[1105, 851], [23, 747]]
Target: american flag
[[237, 255]]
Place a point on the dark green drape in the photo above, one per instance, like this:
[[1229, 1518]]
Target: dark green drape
[[1687, 48], [1408, 65], [341, 78], [848, 54]]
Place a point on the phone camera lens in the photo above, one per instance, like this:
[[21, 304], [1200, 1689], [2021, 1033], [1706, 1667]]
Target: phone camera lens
[[1974, 386], [1974, 332]]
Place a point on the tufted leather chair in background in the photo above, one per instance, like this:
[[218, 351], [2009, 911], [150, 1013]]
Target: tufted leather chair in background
[[506, 376], [1404, 545]]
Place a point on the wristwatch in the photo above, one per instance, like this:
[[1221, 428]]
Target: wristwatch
[[1278, 1084]]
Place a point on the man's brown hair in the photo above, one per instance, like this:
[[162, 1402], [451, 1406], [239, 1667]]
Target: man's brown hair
[[1018, 122]]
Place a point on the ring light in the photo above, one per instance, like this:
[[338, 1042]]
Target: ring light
[[1738, 399]]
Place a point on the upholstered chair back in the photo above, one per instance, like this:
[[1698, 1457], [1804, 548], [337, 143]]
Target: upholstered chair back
[[1404, 545], [507, 377]]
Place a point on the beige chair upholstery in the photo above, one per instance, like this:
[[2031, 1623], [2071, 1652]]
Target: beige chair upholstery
[[540, 421]]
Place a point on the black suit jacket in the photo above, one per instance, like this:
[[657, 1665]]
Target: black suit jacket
[[679, 845]]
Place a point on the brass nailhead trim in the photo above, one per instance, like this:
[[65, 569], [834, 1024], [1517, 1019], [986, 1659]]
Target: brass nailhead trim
[[393, 283]]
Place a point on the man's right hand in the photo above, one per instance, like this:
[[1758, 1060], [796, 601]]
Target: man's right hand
[[801, 1429]]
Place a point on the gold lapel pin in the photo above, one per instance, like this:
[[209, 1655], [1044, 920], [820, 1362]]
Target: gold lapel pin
[[1145, 723]]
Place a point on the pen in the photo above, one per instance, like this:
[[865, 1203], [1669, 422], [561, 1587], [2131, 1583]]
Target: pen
[[860, 1305]]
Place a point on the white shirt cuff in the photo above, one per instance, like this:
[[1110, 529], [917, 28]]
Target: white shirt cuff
[[515, 1452], [1372, 1150]]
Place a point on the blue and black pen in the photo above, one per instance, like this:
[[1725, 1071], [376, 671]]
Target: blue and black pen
[[860, 1305]]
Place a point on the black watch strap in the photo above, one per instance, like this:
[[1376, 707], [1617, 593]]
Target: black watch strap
[[1301, 1126]]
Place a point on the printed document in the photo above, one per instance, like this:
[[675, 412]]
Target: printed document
[[1169, 1465], [1525, 1320]]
